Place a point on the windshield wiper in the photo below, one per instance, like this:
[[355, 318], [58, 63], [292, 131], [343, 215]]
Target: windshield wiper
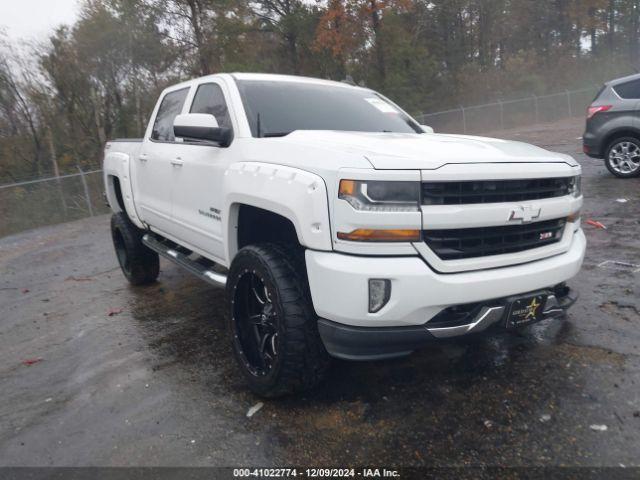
[[259, 135], [275, 134]]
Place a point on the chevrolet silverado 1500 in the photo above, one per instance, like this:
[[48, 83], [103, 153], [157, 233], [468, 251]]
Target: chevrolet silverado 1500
[[339, 225]]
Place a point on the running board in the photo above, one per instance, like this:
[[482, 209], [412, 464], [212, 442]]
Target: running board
[[199, 270]]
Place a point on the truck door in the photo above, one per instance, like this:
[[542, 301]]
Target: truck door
[[153, 169], [197, 196]]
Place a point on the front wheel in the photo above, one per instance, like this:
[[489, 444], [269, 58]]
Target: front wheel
[[622, 157], [273, 325]]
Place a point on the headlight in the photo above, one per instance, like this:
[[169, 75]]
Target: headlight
[[575, 186], [381, 196]]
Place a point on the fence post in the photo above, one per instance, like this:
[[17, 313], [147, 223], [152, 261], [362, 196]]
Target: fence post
[[86, 190], [464, 120], [569, 103], [501, 114], [56, 170]]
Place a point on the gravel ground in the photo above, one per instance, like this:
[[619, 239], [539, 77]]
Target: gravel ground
[[124, 376]]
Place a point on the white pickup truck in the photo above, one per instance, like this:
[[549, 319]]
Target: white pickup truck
[[339, 225]]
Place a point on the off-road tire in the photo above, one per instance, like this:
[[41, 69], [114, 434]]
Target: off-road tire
[[607, 161], [302, 361], [139, 264]]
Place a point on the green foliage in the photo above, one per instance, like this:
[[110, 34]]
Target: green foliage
[[100, 78]]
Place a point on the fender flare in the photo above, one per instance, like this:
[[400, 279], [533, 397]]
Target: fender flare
[[295, 194], [116, 164]]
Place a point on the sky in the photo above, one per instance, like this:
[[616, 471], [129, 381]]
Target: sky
[[35, 19]]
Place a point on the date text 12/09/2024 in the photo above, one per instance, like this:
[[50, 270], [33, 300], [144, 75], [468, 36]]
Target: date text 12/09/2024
[[315, 472]]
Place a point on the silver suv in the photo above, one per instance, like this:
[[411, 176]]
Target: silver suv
[[613, 126]]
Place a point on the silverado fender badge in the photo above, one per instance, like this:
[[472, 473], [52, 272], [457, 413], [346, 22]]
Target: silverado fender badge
[[525, 213]]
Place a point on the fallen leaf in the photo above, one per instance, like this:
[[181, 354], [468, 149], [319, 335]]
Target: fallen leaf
[[31, 361], [596, 224], [598, 428], [114, 311], [253, 410]]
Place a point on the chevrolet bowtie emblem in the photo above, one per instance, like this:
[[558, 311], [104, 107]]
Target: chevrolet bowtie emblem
[[526, 213]]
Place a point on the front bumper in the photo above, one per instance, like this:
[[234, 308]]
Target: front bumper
[[366, 343], [339, 290]]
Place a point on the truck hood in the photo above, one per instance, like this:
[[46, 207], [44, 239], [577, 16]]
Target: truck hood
[[427, 151]]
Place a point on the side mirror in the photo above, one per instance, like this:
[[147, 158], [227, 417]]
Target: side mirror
[[426, 128], [201, 127]]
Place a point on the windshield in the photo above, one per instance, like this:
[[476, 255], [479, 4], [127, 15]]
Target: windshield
[[277, 108]]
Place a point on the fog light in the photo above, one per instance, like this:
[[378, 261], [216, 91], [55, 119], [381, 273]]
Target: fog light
[[379, 293]]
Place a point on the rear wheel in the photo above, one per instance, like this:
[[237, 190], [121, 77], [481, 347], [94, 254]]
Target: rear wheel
[[139, 264], [622, 157], [274, 328]]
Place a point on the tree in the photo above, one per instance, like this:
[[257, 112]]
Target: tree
[[20, 132], [99, 78], [283, 18]]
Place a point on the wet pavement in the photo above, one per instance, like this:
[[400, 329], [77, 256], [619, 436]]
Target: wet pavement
[[154, 383]]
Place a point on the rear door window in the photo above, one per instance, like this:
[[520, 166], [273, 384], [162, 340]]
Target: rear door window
[[170, 108], [210, 99], [628, 90]]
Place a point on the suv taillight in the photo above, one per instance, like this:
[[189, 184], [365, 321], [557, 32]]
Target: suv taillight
[[591, 111]]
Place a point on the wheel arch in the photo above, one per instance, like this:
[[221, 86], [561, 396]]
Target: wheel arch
[[297, 196], [114, 194], [619, 133]]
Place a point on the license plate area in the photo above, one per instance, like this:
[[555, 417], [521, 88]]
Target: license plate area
[[526, 309]]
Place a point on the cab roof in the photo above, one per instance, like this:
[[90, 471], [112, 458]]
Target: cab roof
[[272, 77], [264, 77]]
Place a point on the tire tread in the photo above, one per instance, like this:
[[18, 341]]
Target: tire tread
[[305, 359], [145, 263]]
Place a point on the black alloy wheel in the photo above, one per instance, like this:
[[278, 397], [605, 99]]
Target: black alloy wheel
[[255, 324], [273, 325]]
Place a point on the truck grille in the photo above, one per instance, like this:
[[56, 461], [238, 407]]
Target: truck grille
[[453, 244], [494, 191]]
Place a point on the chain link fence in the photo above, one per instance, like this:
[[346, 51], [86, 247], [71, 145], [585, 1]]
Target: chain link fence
[[47, 201], [501, 115]]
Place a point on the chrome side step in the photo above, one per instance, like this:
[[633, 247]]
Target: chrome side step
[[205, 273]]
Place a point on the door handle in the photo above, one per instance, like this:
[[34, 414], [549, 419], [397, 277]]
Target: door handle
[[177, 162], [143, 157]]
